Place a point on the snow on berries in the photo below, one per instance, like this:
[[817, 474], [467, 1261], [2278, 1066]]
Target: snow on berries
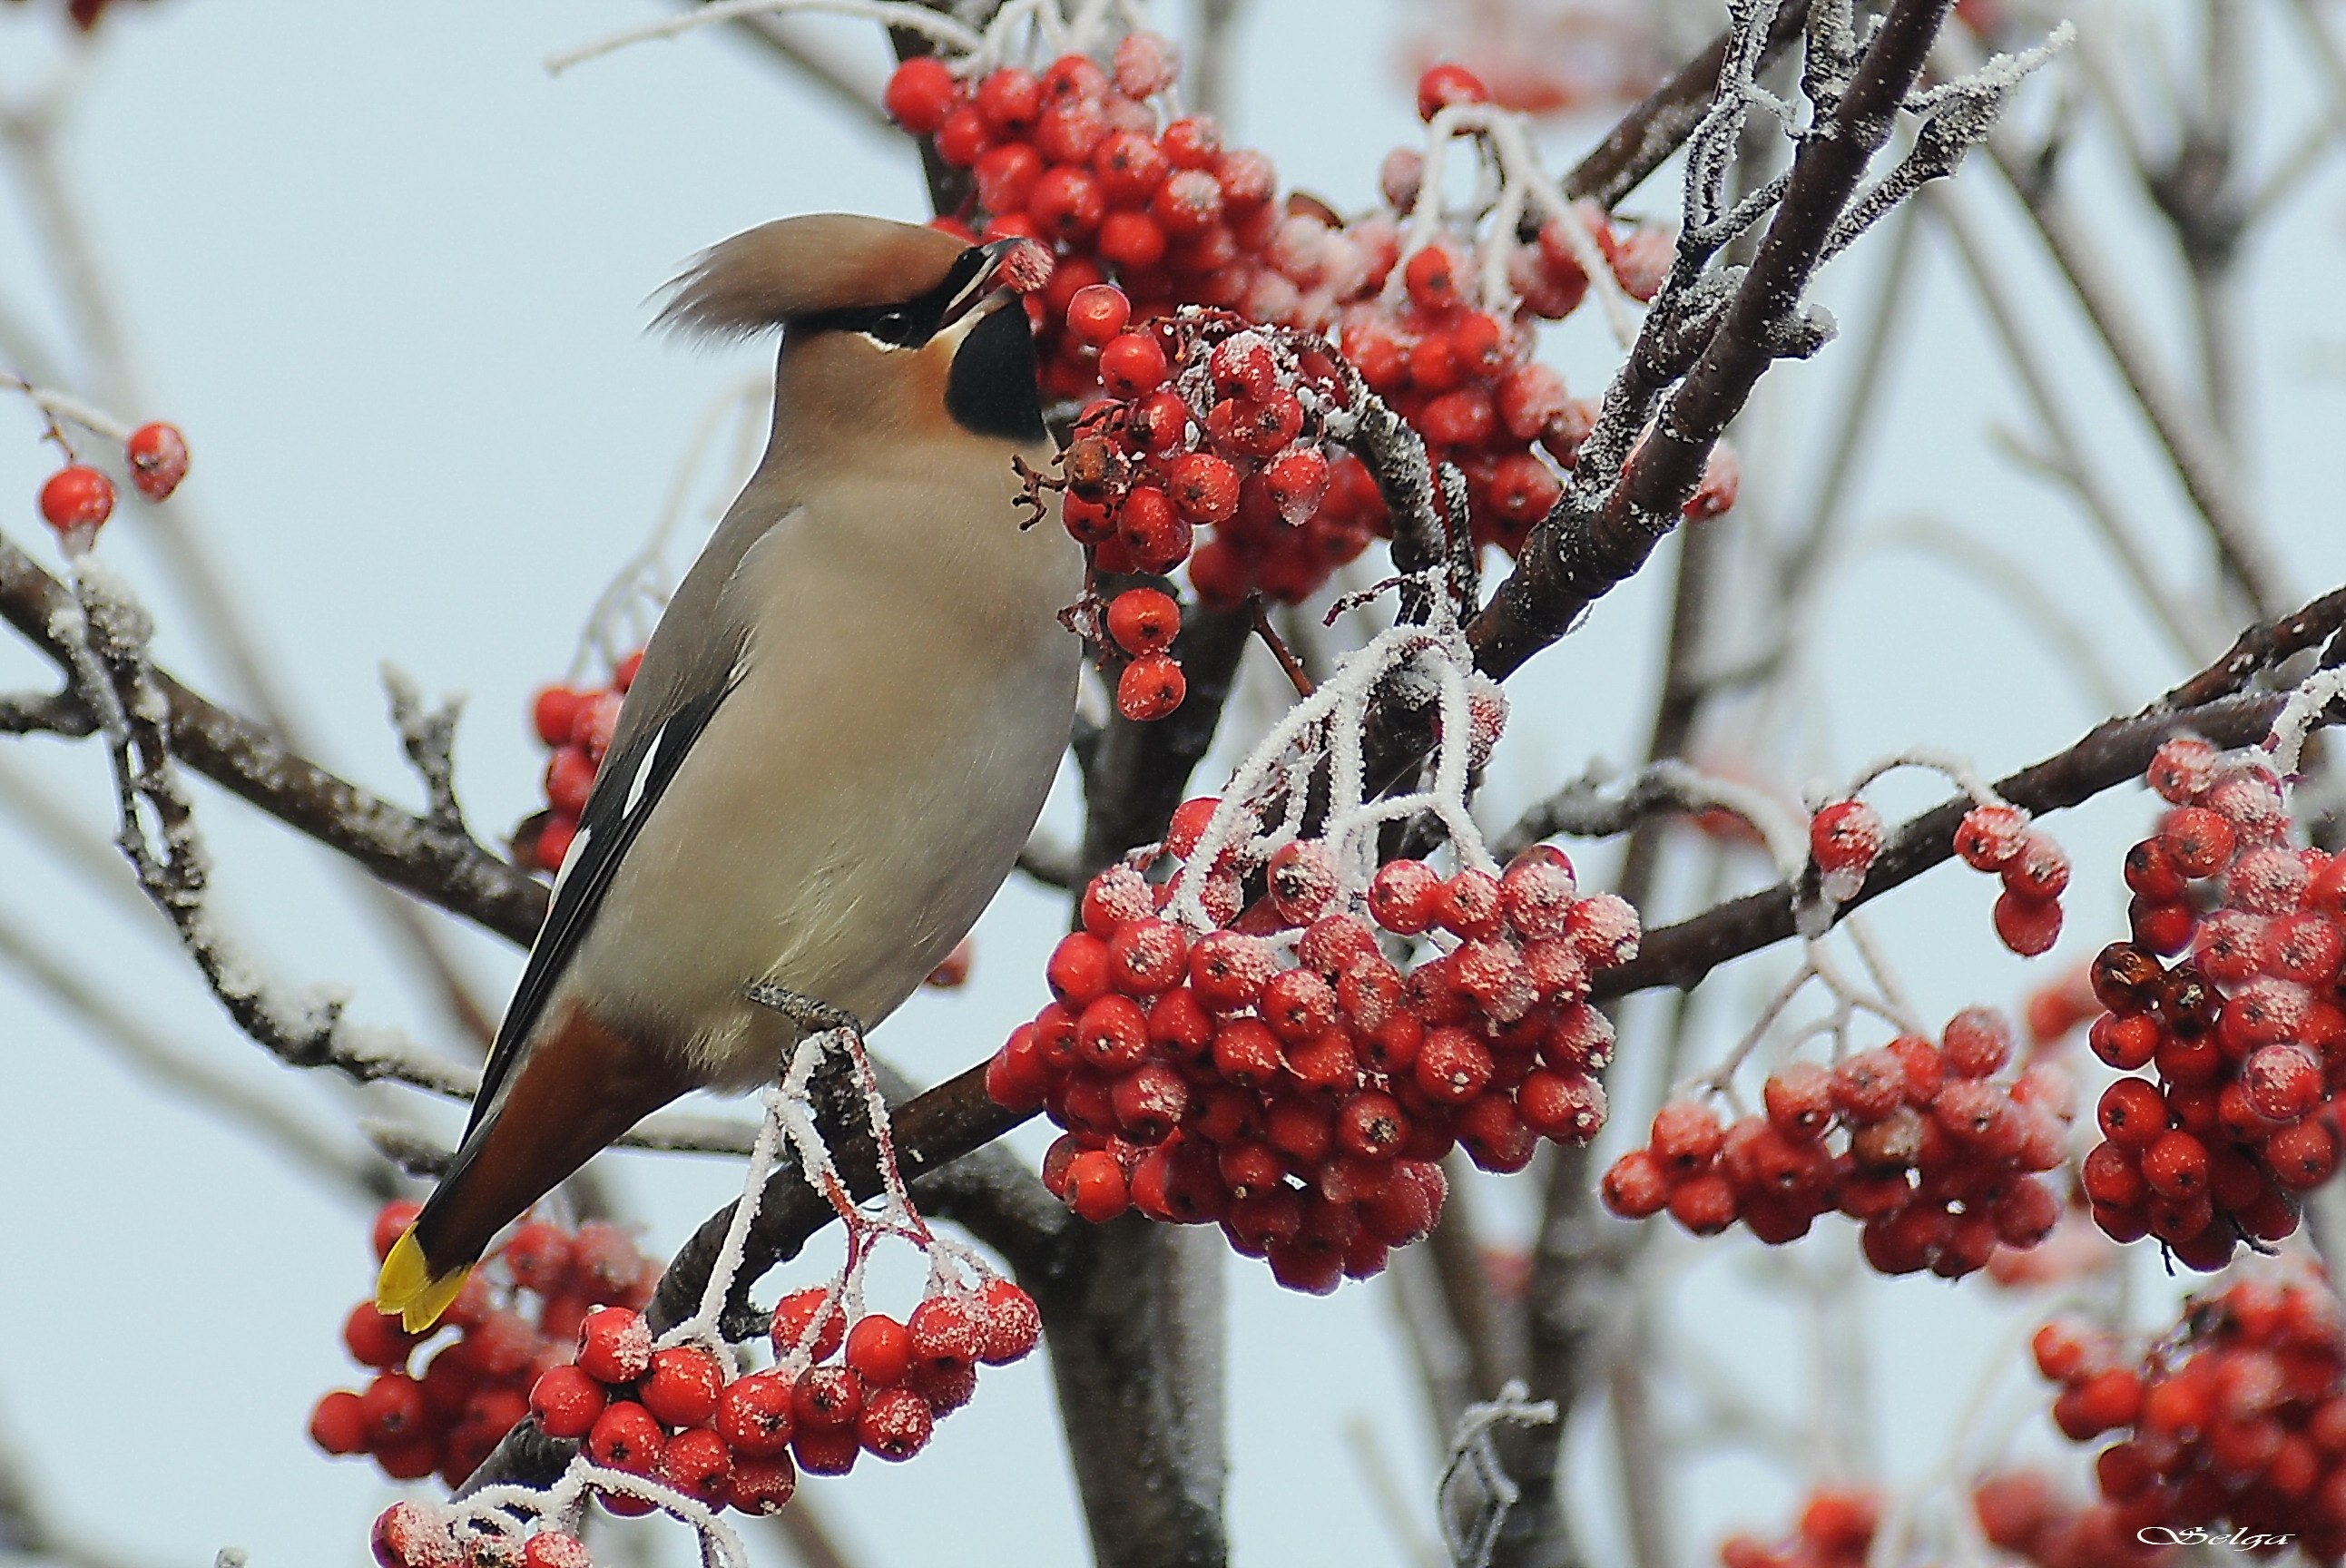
[[1936, 1149], [662, 1423], [78, 499], [1997, 838], [2228, 994], [574, 724], [1288, 1081], [2234, 1419]]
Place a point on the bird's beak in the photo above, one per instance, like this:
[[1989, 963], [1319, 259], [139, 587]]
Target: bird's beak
[[1008, 270]]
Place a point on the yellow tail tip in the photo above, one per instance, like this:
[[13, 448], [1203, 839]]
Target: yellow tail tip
[[408, 1286]]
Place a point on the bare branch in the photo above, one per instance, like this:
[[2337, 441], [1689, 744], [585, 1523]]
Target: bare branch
[[407, 852], [2113, 753]]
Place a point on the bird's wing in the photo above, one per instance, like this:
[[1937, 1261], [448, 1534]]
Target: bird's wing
[[625, 792], [691, 665]]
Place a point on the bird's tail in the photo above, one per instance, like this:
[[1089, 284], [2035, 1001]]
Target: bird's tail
[[408, 1286], [574, 1091]]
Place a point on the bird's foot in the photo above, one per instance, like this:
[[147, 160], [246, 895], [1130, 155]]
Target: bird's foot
[[815, 1017]]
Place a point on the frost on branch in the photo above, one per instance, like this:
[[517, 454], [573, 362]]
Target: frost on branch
[[1475, 1492], [679, 1424], [1714, 328], [108, 632]]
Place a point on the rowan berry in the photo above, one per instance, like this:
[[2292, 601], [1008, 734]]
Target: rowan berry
[[76, 498], [698, 1464], [626, 1437], [810, 1324], [919, 94], [157, 455], [567, 1401], [756, 1413], [763, 1485]]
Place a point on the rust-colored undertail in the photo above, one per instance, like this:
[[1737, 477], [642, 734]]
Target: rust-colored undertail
[[579, 1089]]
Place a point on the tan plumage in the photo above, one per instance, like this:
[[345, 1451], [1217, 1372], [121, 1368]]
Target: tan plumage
[[871, 689]]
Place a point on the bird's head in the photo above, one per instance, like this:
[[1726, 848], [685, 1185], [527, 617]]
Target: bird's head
[[885, 325]]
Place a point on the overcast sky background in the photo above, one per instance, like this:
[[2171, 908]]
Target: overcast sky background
[[389, 277]]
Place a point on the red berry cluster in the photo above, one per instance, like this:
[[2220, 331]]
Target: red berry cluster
[[1997, 838], [674, 1416], [1207, 421], [1457, 365], [575, 724], [1075, 156], [2239, 1414], [2244, 1033], [1938, 1160], [76, 498], [415, 1535], [1298, 1096], [515, 1317], [1836, 1529], [2019, 1512]]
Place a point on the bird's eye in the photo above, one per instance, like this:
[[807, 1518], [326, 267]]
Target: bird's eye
[[891, 327]]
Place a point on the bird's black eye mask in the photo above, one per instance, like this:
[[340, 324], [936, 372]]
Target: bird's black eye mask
[[911, 323]]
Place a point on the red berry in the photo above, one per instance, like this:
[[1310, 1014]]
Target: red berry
[[2199, 841], [1636, 1186], [755, 1414], [1132, 364], [338, 1423], [157, 455], [2027, 926], [763, 1485], [880, 1348], [1098, 312], [626, 1437], [567, 1401], [1431, 275], [1150, 688], [947, 1332], [375, 1338], [1989, 836], [1095, 1186], [920, 92], [896, 1425], [1404, 896], [683, 1386], [1442, 85], [538, 1256], [826, 1398], [614, 1345], [697, 1464], [1686, 1136], [827, 1450], [1009, 1323], [795, 1327], [1204, 487], [411, 1535], [76, 498], [2282, 1083], [1845, 837]]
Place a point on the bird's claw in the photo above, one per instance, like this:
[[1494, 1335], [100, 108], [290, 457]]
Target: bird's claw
[[813, 1016]]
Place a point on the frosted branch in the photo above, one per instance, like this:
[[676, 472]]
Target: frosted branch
[[1473, 1456]]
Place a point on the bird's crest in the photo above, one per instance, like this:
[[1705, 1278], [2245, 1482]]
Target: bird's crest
[[798, 266]]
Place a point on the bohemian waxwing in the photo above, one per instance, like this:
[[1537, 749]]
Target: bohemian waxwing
[[841, 733]]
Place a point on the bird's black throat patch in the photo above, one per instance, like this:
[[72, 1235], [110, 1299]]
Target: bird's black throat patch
[[990, 389]]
